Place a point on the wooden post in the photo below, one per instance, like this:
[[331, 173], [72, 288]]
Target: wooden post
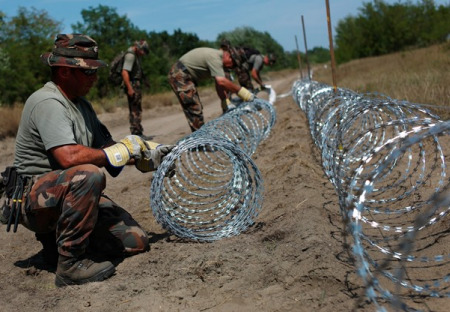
[[330, 37], [298, 59], [306, 49]]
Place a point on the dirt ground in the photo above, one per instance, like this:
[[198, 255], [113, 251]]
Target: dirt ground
[[292, 259]]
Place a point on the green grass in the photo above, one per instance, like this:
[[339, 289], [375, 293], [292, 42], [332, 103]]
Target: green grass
[[417, 76]]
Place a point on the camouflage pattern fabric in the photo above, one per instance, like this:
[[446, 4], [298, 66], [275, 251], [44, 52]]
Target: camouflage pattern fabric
[[135, 108], [241, 67], [70, 202], [74, 50], [229, 77], [244, 78], [186, 91]]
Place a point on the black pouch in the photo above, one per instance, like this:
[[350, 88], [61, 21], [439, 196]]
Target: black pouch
[[4, 205], [10, 177], [8, 180]]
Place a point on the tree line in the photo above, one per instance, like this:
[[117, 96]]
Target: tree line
[[379, 28], [382, 28], [24, 37]]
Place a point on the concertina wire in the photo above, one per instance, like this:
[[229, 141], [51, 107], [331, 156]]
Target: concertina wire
[[386, 159], [208, 188]]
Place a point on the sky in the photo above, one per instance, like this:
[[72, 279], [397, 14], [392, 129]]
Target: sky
[[208, 18]]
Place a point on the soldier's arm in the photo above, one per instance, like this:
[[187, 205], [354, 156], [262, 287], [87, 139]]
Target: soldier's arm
[[223, 85], [256, 77], [126, 81], [75, 154]]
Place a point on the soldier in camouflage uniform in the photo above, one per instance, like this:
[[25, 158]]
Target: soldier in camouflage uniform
[[248, 64], [197, 65], [61, 147], [253, 66], [133, 75]]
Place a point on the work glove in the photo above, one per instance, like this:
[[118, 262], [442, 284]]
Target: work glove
[[153, 157], [245, 95], [132, 146], [227, 105]]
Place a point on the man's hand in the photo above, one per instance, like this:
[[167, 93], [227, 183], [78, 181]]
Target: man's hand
[[152, 158], [227, 105], [245, 95], [120, 153], [131, 92]]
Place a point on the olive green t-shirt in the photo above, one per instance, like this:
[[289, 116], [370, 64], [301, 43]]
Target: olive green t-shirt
[[256, 62], [132, 64], [48, 120], [203, 63]]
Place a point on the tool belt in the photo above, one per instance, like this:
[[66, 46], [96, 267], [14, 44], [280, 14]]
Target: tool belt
[[13, 190]]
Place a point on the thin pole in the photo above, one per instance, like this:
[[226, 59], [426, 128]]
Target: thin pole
[[298, 59], [306, 49], [330, 37]]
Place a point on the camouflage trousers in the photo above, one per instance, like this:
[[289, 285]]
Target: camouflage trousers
[[135, 108], [71, 204], [244, 78], [186, 91]]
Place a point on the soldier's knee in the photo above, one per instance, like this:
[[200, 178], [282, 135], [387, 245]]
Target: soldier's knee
[[137, 242], [90, 175], [144, 244]]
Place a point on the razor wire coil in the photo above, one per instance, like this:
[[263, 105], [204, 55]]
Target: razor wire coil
[[387, 161], [208, 187]]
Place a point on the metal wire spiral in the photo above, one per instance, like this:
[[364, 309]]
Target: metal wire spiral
[[386, 159], [208, 187], [246, 125]]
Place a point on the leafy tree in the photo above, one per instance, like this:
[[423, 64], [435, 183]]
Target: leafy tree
[[112, 32], [115, 33], [23, 38], [381, 28], [180, 43], [262, 41], [319, 55], [32, 32], [4, 57]]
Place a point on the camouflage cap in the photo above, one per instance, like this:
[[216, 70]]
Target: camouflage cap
[[142, 45], [73, 50]]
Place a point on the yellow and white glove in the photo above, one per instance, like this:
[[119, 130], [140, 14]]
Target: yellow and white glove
[[120, 153], [227, 105], [224, 104], [153, 157], [245, 95]]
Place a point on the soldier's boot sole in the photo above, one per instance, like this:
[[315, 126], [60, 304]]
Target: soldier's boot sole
[[61, 281]]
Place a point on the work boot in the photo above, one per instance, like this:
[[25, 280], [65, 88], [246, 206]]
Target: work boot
[[74, 271], [49, 248]]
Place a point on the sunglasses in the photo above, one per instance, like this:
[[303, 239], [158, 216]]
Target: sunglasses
[[88, 72]]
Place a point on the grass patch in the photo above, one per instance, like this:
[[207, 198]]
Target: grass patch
[[10, 119], [417, 76]]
